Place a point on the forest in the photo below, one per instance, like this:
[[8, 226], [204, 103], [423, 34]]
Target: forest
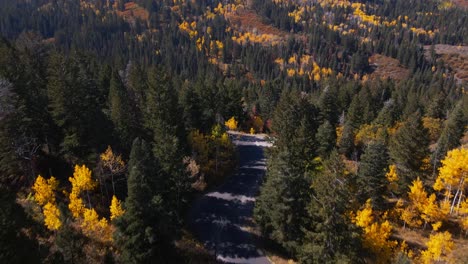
[[115, 117]]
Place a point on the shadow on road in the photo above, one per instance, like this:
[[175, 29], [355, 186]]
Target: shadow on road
[[222, 219]]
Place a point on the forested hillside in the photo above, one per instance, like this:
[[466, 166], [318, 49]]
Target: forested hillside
[[114, 118]]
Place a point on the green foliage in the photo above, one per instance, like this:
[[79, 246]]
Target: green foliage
[[330, 236], [408, 149], [142, 230], [326, 139], [371, 181]]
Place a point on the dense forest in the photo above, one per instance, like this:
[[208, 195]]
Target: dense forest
[[114, 117]]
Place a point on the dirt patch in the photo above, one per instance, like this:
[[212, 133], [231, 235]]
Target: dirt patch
[[133, 11], [248, 20], [455, 57], [386, 67], [461, 3]]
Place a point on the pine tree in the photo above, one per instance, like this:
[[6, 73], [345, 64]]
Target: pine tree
[[371, 180], [330, 236], [451, 135], [121, 111], [281, 207], [346, 142], [139, 234], [408, 149], [326, 139]]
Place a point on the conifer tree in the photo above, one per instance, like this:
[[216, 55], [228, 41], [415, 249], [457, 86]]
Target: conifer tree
[[326, 139], [371, 180], [330, 236], [451, 135], [120, 110], [408, 149], [139, 234]]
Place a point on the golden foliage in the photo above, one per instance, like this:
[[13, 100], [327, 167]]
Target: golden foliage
[[452, 176], [115, 208], [231, 123], [45, 197], [439, 247], [392, 177], [112, 162], [52, 216], [44, 190], [76, 204], [81, 180], [94, 227], [376, 235]]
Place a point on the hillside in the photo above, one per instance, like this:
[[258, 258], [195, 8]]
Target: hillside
[[123, 131]]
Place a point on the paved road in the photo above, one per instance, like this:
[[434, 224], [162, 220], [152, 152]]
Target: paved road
[[221, 219]]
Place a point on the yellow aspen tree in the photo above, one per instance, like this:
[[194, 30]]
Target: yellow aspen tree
[[392, 178], [94, 227], [417, 197], [115, 208], [231, 123], [376, 235], [76, 204], [52, 216], [44, 190], [45, 197], [81, 181], [452, 177], [113, 164], [439, 247]]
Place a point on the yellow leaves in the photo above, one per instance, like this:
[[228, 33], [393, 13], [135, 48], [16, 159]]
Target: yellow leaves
[[52, 216], [115, 208], [44, 196], [76, 204], [94, 227], [297, 14], [454, 169], [112, 162], [200, 42], [439, 247], [291, 72], [189, 28], [44, 190], [252, 131], [376, 235], [392, 175], [364, 217], [231, 123], [81, 179]]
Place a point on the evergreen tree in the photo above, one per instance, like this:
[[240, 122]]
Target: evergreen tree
[[142, 230], [451, 135], [326, 139], [330, 236], [371, 180], [120, 111], [346, 142], [408, 149], [281, 207]]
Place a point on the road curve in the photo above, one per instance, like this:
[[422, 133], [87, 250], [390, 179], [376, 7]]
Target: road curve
[[221, 219]]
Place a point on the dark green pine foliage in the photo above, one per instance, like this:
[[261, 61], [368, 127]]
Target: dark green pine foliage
[[371, 180], [346, 142], [142, 231], [326, 139], [328, 106], [408, 147], [451, 135], [280, 209], [164, 119], [330, 237], [72, 93], [121, 111]]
